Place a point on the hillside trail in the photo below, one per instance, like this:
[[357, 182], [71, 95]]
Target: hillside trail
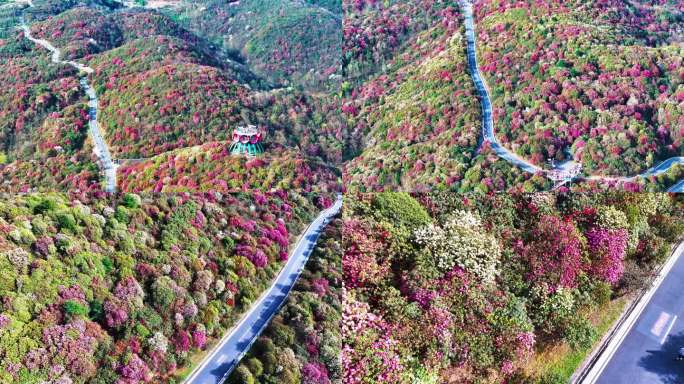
[[100, 148]]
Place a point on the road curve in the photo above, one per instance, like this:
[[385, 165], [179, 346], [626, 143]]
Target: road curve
[[218, 364], [100, 148], [485, 99], [488, 124], [656, 170], [642, 349]]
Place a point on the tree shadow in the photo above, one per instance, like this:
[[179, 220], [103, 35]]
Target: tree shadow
[[662, 361]]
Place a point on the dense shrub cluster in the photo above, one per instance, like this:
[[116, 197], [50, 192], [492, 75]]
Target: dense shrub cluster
[[441, 288], [124, 289], [210, 167]]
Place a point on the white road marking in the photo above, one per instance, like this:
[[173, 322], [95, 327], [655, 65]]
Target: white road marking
[[669, 328]]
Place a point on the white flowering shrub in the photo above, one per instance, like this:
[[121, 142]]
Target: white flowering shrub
[[648, 204], [159, 342], [18, 257], [461, 241], [610, 217]]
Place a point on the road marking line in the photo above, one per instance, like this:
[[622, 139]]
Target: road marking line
[[669, 328], [661, 322]]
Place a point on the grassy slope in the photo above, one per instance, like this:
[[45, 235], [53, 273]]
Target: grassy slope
[[560, 361]]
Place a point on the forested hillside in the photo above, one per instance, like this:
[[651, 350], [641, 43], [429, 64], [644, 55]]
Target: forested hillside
[[452, 288], [597, 82], [601, 78], [287, 42], [161, 86], [409, 97], [413, 112], [128, 288]]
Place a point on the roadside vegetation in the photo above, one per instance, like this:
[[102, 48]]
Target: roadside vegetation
[[452, 288], [302, 343]]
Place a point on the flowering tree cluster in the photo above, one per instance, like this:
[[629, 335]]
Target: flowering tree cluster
[[489, 281], [461, 242], [211, 167], [370, 351], [554, 252], [124, 289], [608, 247]]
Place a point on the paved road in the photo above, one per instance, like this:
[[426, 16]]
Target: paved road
[[485, 99], [678, 188], [488, 124], [100, 148], [646, 354], [225, 357]]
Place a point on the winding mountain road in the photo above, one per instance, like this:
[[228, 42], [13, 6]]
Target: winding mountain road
[[501, 151], [485, 99], [100, 147], [227, 354]]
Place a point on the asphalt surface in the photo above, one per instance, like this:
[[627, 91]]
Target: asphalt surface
[[101, 150], [679, 187], [663, 167], [647, 354], [228, 353], [488, 124]]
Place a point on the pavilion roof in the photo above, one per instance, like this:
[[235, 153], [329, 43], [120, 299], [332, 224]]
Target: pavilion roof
[[249, 130]]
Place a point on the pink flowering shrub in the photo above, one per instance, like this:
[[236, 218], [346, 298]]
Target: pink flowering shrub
[[554, 253], [320, 286], [370, 352], [182, 341], [199, 338], [362, 262], [607, 249], [116, 313], [133, 370], [315, 373]]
